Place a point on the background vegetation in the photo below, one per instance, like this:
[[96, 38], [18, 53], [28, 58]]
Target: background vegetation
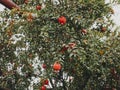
[[67, 44]]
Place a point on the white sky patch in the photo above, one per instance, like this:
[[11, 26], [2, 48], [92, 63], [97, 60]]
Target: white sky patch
[[116, 15], [1, 7]]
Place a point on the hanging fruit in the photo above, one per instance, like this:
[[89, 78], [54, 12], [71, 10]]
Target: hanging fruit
[[38, 7], [64, 48], [26, 1], [103, 29], [72, 45], [44, 66], [43, 88], [84, 31], [46, 82], [62, 20], [57, 66]]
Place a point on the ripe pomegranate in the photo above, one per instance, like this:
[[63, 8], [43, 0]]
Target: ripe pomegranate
[[57, 66]]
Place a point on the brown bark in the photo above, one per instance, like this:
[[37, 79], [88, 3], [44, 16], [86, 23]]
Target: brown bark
[[4, 89], [9, 4]]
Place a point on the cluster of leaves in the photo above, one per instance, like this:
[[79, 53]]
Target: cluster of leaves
[[32, 39]]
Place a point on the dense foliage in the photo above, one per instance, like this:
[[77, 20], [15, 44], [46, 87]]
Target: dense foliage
[[58, 43]]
